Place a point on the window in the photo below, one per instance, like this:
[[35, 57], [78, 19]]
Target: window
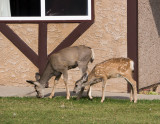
[[45, 10], [25, 8]]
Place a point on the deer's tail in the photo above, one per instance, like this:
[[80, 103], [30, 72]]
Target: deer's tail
[[92, 56]]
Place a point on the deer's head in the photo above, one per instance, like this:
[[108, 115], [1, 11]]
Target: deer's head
[[38, 87], [80, 83]]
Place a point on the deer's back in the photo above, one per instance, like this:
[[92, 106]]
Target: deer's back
[[112, 66], [70, 56]]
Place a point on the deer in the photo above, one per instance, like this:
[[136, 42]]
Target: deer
[[111, 68], [59, 63]]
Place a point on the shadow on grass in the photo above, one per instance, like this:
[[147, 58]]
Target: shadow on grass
[[60, 94], [74, 96]]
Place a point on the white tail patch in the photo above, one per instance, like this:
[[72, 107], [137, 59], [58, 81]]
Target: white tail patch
[[132, 65], [93, 55]]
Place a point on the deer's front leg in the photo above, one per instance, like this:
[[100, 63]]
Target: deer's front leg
[[54, 85], [103, 89], [80, 94], [65, 76], [89, 92]]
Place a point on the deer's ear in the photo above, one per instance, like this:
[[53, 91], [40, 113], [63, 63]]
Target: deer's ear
[[33, 82], [37, 76], [29, 81]]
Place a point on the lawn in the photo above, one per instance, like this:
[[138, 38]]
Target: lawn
[[59, 110]]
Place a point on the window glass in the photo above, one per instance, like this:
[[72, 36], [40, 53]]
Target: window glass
[[66, 7], [25, 8]]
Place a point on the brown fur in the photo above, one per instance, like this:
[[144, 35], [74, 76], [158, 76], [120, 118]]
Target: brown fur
[[59, 64], [112, 68]]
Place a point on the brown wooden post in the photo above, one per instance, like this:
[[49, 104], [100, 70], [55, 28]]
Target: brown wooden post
[[42, 47], [132, 34]]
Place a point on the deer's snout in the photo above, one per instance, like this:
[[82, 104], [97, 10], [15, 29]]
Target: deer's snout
[[75, 89], [40, 96]]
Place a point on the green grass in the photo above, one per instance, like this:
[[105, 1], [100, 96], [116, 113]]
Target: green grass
[[59, 110]]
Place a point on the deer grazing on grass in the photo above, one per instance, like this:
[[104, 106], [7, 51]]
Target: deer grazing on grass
[[59, 63], [112, 68]]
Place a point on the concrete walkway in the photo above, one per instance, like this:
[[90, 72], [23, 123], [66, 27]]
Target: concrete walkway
[[13, 91]]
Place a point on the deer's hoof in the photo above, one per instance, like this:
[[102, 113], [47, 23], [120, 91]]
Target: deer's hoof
[[102, 101], [135, 101], [90, 98], [68, 98], [50, 97]]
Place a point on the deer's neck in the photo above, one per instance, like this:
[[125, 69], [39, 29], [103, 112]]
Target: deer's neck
[[47, 74], [91, 78]]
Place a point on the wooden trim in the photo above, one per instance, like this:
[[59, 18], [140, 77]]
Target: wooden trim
[[73, 36], [42, 21], [53, 21], [19, 43], [132, 34], [42, 47], [93, 10]]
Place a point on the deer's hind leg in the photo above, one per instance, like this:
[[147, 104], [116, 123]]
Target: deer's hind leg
[[133, 83]]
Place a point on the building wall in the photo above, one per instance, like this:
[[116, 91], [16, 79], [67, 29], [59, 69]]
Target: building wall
[[107, 36], [149, 42]]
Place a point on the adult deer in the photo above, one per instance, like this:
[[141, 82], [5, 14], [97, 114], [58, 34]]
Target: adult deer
[[59, 63], [115, 67]]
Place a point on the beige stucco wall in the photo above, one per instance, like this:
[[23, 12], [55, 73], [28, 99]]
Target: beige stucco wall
[[149, 42], [107, 36]]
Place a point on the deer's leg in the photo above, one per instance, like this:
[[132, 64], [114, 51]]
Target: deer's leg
[[89, 92], [131, 92], [103, 88], [54, 85], [80, 94], [83, 68], [65, 76], [129, 79]]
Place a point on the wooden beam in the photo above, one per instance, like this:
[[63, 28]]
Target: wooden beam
[[132, 34], [19, 43], [42, 47], [73, 36]]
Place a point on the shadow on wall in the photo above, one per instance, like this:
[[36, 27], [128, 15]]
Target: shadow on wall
[[155, 6]]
